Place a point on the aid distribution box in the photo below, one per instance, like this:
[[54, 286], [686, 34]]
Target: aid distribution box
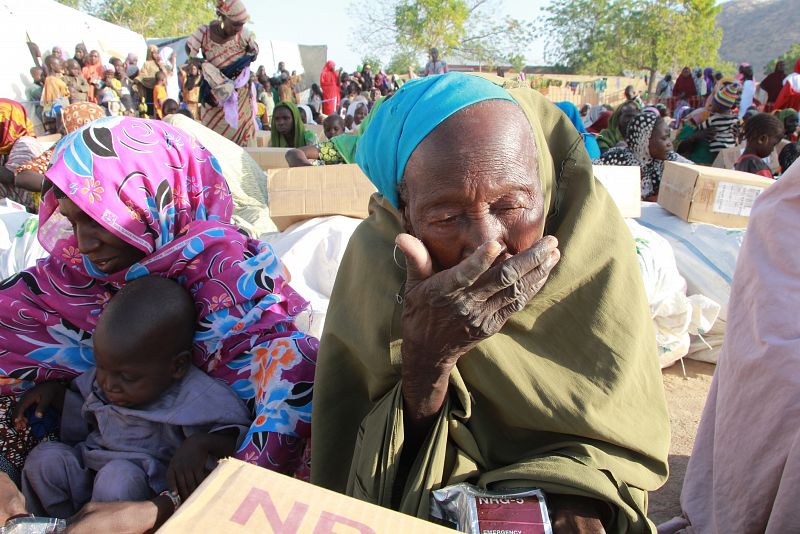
[[710, 195], [238, 497], [300, 193]]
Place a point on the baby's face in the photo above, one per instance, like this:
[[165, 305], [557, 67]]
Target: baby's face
[[133, 380]]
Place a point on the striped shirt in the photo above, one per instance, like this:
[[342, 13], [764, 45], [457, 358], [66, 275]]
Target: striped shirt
[[724, 127]]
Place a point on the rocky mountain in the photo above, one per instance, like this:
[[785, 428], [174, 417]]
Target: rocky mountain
[[758, 31]]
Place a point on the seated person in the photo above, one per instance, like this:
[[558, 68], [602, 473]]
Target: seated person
[[340, 148], [762, 132], [489, 323], [788, 155], [333, 126], [143, 421], [288, 128], [648, 147]]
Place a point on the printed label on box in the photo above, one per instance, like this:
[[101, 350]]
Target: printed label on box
[[515, 515], [735, 199]]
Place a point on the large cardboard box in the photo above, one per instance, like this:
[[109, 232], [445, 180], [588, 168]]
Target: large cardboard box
[[709, 195], [238, 497], [624, 184], [269, 158], [301, 193]]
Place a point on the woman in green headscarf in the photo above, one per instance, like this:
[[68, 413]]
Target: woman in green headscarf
[[288, 130], [340, 149], [617, 125], [462, 345]]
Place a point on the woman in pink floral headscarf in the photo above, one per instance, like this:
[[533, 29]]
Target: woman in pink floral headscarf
[[144, 198]]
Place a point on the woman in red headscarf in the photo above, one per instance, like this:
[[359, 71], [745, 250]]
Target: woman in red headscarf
[[329, 81], [789, 96]]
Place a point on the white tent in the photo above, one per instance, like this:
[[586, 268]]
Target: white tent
[[49, 23]]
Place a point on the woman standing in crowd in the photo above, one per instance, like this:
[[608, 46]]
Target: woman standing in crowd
[[773, 83], [684, 89], [147, 78], [331, 93], [226, 95], [789, 97], [171, 221], [81, 54], [191, 89], [648, 147], [93, 73]]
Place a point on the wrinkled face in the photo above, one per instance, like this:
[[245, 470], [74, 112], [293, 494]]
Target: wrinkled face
[[283, 120], [790, 124], [660, 142], [625, 116], [109, 253], [333, 128], [474, 179], [94, 57], [359, 114], [128, 377]]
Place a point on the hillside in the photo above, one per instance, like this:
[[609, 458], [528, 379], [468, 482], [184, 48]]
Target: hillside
[[758, 31]]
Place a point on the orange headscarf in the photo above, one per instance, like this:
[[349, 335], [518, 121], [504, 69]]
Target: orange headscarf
[[14, 123]]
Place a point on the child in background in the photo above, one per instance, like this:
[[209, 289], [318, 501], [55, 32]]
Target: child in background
[[141, 423], [160, 93], [721, 121], [110, 93], [55, 94], [333, 126], [76, 83], [762, 132], [170, 107]]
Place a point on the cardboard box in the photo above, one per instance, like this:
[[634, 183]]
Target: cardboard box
[[301, 193], [261, 139], [624, 184], [726, 158], [709, 195], [269, 158], [238, 497]]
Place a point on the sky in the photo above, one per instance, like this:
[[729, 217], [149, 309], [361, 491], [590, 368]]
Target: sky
[[315, 22]]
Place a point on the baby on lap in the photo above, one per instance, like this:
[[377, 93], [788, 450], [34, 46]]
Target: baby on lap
[[144, 421]]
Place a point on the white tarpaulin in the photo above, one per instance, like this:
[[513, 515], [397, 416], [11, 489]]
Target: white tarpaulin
[[49, 23]]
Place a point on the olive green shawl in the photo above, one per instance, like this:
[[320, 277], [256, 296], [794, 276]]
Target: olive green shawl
[[567, 397]]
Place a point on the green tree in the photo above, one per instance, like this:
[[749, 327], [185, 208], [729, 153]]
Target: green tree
[[789, 57], [373, 61], [151, 18], [401, 62], [517, 62], [609, 36], [468, 28]]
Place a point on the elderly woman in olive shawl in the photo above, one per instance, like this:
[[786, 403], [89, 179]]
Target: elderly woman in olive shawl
[[462, 345]]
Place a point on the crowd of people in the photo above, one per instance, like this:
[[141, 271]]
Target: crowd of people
[[473, 332]]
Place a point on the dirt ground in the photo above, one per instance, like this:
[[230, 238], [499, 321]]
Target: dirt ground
[[686, 397]]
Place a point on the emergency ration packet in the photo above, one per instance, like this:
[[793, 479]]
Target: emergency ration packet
[[473, 510]]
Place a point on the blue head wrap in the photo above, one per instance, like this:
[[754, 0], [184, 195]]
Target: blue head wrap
[[409, 116], [574, 116]]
